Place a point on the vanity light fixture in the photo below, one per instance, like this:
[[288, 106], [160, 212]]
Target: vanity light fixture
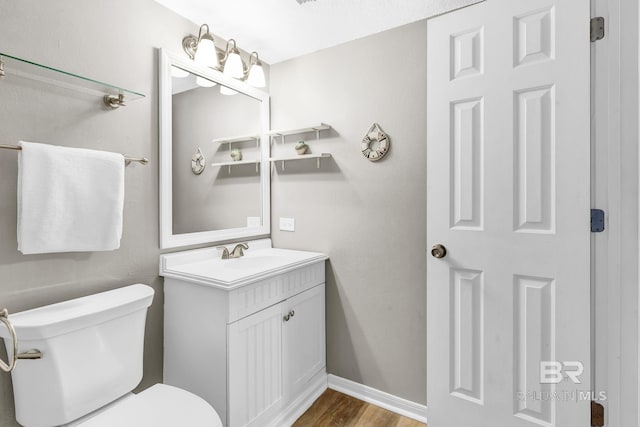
[[256, 72], [233, 64], [201, 49]]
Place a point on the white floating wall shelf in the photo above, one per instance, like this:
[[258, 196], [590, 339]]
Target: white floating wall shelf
[[300, 157], [285, 132], [237, 163], [234, 139]]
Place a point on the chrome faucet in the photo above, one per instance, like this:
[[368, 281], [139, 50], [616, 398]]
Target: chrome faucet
[[238, 250]]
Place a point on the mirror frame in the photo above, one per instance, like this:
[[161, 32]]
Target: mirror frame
[[167, 238]]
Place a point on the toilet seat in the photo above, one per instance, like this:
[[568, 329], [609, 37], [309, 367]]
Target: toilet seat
[[158, 406]]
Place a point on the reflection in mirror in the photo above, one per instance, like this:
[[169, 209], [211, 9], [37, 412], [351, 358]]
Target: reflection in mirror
[[224, 196], [214, 156]]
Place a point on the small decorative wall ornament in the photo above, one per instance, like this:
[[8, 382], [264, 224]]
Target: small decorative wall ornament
[[198, 162], [375, 144], [236, 154], [301, 148]]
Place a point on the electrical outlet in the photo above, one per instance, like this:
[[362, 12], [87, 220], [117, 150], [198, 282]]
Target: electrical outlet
[[253, 221], [287, 224]]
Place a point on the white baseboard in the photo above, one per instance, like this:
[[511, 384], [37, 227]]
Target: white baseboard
[[317, 385], [387, 401]]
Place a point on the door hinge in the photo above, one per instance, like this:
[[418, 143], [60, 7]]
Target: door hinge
[[597, 29], [597, 414], [597, 220]]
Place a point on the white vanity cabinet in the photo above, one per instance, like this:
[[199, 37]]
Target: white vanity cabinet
[[252, 343], [272, 356]]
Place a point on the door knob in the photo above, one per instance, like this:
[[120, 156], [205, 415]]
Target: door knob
[[438, 251]]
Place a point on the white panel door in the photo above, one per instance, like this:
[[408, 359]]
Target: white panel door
[[508, 197], [303, 350]]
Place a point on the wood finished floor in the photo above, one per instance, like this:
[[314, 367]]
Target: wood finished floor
[[335, 409]]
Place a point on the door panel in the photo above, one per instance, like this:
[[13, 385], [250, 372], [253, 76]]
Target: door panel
[[304, 350], [508, 195], [255, 367]]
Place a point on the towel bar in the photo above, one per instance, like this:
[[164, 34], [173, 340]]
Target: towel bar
[[127, 159]]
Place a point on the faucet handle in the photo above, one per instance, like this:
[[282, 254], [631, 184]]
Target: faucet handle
[[225, 252]]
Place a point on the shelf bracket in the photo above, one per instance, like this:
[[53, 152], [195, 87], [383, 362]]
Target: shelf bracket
[[2, 73], [113, 101]]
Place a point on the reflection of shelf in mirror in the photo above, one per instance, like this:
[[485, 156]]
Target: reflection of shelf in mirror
[[300, 157], [238, 139], [17, 67], [286, 132], [236, 163]]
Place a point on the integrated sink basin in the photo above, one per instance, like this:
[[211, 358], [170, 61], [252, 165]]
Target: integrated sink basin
[[260, 261]]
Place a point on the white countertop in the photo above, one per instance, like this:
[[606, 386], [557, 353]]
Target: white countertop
[[204, 266]]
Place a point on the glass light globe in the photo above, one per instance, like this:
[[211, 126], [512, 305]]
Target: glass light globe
[[178, 72], [201, 81], [233, 67], [206, 53], [256, 76], [227, 91]]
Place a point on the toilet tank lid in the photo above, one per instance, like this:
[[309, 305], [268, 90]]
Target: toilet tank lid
[[57, 319]]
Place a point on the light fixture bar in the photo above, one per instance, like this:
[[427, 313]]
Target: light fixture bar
[[202, 49]]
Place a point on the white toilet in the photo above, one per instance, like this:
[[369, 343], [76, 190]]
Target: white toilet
[[91, 360]]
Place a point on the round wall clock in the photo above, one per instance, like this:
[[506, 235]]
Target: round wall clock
[[375, 144]]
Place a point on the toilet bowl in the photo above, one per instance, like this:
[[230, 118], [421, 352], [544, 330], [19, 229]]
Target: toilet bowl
[[92, 350], [158, 406]]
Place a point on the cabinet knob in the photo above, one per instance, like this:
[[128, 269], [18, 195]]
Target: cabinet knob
[[289, 315]]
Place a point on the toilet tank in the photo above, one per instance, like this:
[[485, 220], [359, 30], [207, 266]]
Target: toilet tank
[[92, 350]]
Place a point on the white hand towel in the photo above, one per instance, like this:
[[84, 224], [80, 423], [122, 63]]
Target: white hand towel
[[69, 199]]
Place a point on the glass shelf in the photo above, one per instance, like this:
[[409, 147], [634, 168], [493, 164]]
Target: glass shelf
[[18, 67]]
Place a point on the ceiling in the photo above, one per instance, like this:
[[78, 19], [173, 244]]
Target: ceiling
[[282, 29]]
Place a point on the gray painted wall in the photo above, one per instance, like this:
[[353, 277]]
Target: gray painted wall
[[369, 217], [219, 198]]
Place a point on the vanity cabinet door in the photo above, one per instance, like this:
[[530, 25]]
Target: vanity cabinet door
[[304, 339], [255, 367]]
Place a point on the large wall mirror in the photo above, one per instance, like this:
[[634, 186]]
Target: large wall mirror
[[223, 120]]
